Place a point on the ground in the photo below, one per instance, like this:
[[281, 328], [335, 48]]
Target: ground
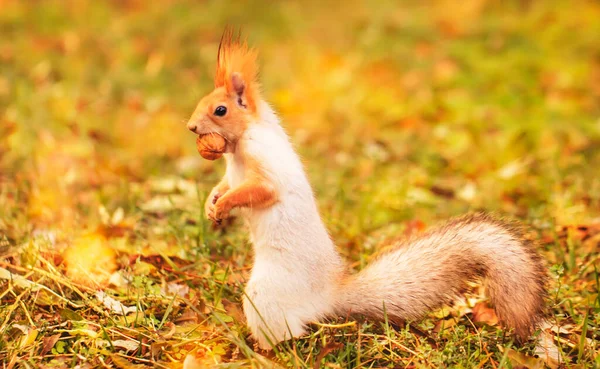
[[405, 114]]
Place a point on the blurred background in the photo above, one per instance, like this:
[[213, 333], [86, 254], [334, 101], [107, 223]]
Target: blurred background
[[418, 107], [406, 113]]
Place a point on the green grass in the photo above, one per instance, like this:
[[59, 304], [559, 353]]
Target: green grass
[[406, 114]]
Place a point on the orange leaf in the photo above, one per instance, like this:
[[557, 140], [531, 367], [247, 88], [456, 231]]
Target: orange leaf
[[483, 314]]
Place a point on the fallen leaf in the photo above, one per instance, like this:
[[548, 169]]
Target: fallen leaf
[[518, 359], [29, 337], [444, 324], [160, 261], [327, 349], [68, 314], [127, 345], [547, 350], [123, 363], [233, 310], [189, 316], [48, 343], [169, 334], [114, 305], [81, 332], [484, 314], [90, 260], [173, 288], [18, 280]]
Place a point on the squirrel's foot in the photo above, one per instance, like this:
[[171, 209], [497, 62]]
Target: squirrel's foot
[[269, 324]]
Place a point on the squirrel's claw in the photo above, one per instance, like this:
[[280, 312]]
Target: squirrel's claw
[[209, 209], [221, 211], [211, 214], [217, 210]]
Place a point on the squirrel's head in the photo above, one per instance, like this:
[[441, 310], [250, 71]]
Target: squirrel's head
[[232, 105]]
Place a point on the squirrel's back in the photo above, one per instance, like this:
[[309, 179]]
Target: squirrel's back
[[425, 272]]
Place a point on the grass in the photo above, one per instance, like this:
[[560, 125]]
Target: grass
[[406, 114]]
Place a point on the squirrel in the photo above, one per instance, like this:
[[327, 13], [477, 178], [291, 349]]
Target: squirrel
[[298, 276]]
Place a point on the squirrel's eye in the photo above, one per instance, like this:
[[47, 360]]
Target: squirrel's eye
[[220, 111]]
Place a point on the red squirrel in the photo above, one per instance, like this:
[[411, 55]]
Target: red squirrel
[[298, 276]]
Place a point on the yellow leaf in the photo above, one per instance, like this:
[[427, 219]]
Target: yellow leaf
[[123, 363], [29, 337], [90, 260]]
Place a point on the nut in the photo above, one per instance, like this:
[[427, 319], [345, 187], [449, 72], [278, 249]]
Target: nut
[[211, 146]]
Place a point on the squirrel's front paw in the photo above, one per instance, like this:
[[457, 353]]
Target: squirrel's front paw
[[209, 206], [219, 210]]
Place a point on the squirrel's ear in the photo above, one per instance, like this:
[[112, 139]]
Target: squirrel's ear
[[239, 86]]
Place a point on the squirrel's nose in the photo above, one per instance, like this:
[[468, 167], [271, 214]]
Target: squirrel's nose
[[192, 126]]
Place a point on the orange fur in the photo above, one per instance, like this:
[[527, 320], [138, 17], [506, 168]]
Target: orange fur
[[250, 194], [234, 56], [255, 192], [231, 126], [236, 89]]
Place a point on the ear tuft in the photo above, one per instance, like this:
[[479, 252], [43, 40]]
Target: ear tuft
[[236, 68]]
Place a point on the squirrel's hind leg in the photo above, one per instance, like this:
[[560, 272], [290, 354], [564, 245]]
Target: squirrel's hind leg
[[268, 320]]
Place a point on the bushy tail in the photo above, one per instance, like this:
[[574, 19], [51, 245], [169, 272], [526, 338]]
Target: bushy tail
[[430, 270]]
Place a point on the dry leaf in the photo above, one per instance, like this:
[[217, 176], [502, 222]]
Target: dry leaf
[[114, 305], [123, 363], [18, 280], [173, 288], [484, 314], [127, 345], [518, 359], [48, 343], [233, 310], [444, 324], [328, 348], [547, 350]]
